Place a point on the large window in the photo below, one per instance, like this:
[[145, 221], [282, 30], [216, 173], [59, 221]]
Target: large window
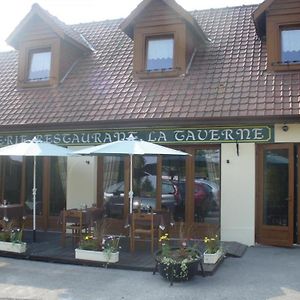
[[114, 186], [12, 176], [174, 186], [290, 45], [207, 186], [160, 53], [39, 65]]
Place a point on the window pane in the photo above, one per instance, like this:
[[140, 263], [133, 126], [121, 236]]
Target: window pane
[[290, 45], [144, 182], [207, 186], [58, 180], [113, 184], [160, 54], [12, 179], [276, 187], [39, 66], [174, 186]]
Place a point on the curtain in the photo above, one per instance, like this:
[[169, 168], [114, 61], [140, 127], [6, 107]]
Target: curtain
[[113, 185], [160, 54], [62, 172], [290, 45], [40, 66]]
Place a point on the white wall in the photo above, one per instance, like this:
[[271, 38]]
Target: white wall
[[290, 136], [81, 180], [238, 193]]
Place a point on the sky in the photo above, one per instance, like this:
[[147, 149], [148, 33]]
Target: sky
[[81, 11]]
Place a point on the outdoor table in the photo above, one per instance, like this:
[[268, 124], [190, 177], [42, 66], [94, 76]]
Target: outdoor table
[[90, 216], [12, 211], [161, 219]]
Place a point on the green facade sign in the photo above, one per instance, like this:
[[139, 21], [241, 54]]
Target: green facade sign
[[256, 134]]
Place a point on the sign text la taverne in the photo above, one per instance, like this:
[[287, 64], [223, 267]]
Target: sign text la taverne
[[155, 135]]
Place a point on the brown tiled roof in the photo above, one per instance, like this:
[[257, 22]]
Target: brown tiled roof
[[228, 81]]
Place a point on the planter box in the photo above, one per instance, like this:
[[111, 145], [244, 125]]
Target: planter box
[[174, 271], [212, 258], [96, 256], [13, 247]]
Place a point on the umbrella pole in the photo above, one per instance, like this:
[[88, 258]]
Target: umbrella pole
[[34, 198], [131, 186]]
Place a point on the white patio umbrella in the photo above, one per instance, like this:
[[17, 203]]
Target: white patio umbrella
[[130, 147], [34, 148]]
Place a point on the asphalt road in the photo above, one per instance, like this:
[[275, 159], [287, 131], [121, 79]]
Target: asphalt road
[[262, 273]]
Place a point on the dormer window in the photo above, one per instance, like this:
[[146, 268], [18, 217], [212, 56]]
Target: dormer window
[[160, 54], [290, 45], [39, 65], [278, 22]]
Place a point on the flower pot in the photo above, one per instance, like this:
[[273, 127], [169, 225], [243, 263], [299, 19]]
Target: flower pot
[[177, 271], [13, 247], [100, 256], [209, 258]]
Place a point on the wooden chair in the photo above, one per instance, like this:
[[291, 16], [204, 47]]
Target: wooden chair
[[142, 224], [74, 221]]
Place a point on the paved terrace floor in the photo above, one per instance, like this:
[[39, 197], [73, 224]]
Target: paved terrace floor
[[263, 273]]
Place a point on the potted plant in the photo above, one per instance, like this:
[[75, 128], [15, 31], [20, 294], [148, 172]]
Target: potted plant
[[213, 251], [11, 236], [177, 263], [106, 250], [99, 247]]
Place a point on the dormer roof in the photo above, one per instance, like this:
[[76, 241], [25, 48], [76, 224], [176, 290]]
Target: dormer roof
[[60, 28], [128, 24], [259, 17]]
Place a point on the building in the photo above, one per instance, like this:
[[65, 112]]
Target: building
[[220, 84]]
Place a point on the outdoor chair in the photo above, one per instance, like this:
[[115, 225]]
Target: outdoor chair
[[142, 224], [73, 220]]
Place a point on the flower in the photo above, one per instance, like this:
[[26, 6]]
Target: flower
[[89, 242], [109, 244], [10, 231], [212, 244], [175, 260]]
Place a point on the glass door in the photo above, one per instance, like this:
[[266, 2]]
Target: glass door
[[275, 209]]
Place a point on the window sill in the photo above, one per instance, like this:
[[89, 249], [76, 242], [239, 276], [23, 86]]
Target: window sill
[[35, 84], [279, 66], [158, 74]]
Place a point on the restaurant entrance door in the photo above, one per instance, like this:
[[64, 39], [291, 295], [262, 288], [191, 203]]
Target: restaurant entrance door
[[277, 194]]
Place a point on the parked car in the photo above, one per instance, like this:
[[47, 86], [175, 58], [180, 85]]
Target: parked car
[[114, 196], [206, 197]]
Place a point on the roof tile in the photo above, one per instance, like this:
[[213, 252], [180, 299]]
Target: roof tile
[[228, 80]]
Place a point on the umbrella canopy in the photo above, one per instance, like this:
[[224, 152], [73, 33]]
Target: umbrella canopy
[[34, 148], [130, 147]]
